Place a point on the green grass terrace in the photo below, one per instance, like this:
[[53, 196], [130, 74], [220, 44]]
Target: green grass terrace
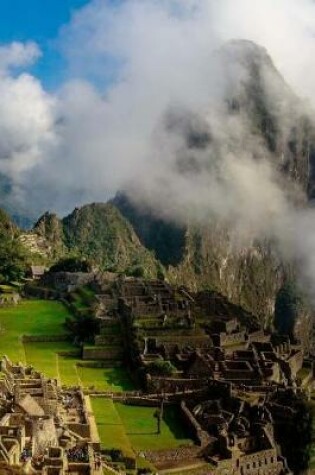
[[134, 428], [56, 359]]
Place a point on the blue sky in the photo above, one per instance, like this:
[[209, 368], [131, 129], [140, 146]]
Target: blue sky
[[40, 21]]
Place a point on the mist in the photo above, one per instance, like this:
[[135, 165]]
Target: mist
[[145, 109]]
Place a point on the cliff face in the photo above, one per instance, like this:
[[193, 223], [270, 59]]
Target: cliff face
[[272, 111], [249, 277]]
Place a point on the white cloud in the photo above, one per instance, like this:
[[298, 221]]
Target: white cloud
[[18, 54], [26, 124]]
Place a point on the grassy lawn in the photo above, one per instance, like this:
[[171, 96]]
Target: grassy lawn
[[125, 427], [105, 379], [44, 356], [30, 317], [68, 370], [45, 317], [141, 428], [110, 427]]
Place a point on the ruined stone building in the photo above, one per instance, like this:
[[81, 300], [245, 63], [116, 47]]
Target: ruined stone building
[[44, 430], [219, 364]]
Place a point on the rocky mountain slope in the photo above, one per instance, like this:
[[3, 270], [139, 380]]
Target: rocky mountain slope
[[204, 257]]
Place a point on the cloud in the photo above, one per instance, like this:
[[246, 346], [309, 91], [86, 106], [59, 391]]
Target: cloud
[[144, 35], [145, 109], [18, 54], [129, 62]]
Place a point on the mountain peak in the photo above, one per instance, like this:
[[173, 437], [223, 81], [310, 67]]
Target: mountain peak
[[246, 51]]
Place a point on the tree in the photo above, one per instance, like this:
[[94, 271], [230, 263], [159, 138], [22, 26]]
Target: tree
[[13, 260]]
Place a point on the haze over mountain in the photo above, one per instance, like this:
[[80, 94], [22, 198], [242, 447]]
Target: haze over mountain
[[180, 107]]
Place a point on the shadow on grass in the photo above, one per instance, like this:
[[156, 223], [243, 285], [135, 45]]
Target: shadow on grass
[[119, 377]]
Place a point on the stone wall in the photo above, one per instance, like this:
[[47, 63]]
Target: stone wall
[[171, 457], [263, 462], [225, 339], [143, 401], [83, 430], [67, 281], [196, 431], [102, 353], [158, 383]]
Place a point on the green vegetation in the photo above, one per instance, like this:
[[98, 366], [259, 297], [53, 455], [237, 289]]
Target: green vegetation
[[82, 324], [101, 234], [44, 356], [83, 298], [49, 227], [110, 427], [38, 318], [95, 234], [31, 317], [13, 257], [133, 427], [141, 427], [57, 359], [8, 289], [105, 379]]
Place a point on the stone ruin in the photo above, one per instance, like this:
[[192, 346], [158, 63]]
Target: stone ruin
[[227, 372], [44, 430], [234, 384]]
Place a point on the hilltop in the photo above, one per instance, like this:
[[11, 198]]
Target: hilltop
[[97, 232]]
